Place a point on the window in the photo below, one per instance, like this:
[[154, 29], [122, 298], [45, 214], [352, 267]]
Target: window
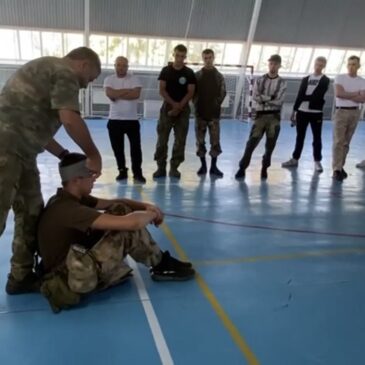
[[195, 50], [287, 58], [72, 41], [98, 44], [218, 49], [156, 52], [117, 46], [232, 53], [137, 51], [52, 44], [362, 61], [254, 56], [301, 60], [9, 44], [30, 44], [267, 51], [335, 61]]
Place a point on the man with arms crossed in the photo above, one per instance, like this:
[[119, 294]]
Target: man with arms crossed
[[124, 89], [350, 94]]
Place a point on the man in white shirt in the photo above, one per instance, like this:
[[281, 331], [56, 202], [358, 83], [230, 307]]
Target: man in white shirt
[[308, 109], [350, 93], [124, 89]]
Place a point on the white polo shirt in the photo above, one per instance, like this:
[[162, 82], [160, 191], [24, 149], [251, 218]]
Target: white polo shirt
[[123, 109], [350, 84]]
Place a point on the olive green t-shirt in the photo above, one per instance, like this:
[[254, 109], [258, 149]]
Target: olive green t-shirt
[[65, 221], [30, 101]]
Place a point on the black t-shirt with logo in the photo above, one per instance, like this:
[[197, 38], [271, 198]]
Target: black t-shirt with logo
[[177, 81]]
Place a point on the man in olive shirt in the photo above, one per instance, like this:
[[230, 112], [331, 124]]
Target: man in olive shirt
[[210, 93], [88, 246], [41, 96]]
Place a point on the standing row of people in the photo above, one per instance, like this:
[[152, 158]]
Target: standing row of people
[[178, 85], [206, 88]]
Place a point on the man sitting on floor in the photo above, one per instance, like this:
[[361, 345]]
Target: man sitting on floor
[[82, 249]]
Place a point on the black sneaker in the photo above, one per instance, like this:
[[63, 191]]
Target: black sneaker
[[215, 171], [139, 178], [202, 170], [263, 174], [344, 174], [30, 284], [171, 269], [240, 174], [338, 175], [123, 174], [176, 261]]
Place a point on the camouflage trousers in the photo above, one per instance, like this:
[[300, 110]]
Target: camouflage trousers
[[180, 125], [201, 127], [20, 190], [268, 124], [102, 266]]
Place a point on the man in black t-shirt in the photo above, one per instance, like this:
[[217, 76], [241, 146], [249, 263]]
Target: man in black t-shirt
[[177, 86]]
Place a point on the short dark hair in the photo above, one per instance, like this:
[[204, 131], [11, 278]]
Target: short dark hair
[[354, 58], [180, 48], [85, 53], [71, 159], [208, 51]]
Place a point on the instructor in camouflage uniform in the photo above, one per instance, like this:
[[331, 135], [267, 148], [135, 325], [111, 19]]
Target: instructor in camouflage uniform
[[83, 248], [40, 97], [209, 96], [177, 87]]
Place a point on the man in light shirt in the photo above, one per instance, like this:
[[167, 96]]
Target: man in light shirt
[[350, 94], [269, 93], [308, 109], [124, 89]]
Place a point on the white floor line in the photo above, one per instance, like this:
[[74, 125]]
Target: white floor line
[[155, 327]]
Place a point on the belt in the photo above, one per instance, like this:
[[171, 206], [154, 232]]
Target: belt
[[265, 112], [347, 107]]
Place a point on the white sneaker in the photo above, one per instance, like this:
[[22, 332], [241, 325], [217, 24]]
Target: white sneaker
[[318, 166], [291, 163], [361, 165]]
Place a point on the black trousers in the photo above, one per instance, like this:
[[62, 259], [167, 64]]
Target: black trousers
[[117, 129], [315, 121]]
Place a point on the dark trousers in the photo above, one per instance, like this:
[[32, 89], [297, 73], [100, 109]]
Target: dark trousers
[[117, 129], [315, 121], [268, 124]]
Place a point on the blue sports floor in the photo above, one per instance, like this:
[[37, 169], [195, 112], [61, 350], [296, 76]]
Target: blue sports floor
[[281, 267]]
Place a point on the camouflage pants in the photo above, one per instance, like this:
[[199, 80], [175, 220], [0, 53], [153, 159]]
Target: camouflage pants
[[180, 125], [102, 266], [20, 190], [268, 124], [201, 127]]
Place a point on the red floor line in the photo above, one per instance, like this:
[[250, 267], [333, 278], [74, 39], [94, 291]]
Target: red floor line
[[270, 228]]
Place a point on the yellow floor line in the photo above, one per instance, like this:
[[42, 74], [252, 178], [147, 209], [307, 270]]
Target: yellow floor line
[[223, 316], [288, 256], [228, 324]]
